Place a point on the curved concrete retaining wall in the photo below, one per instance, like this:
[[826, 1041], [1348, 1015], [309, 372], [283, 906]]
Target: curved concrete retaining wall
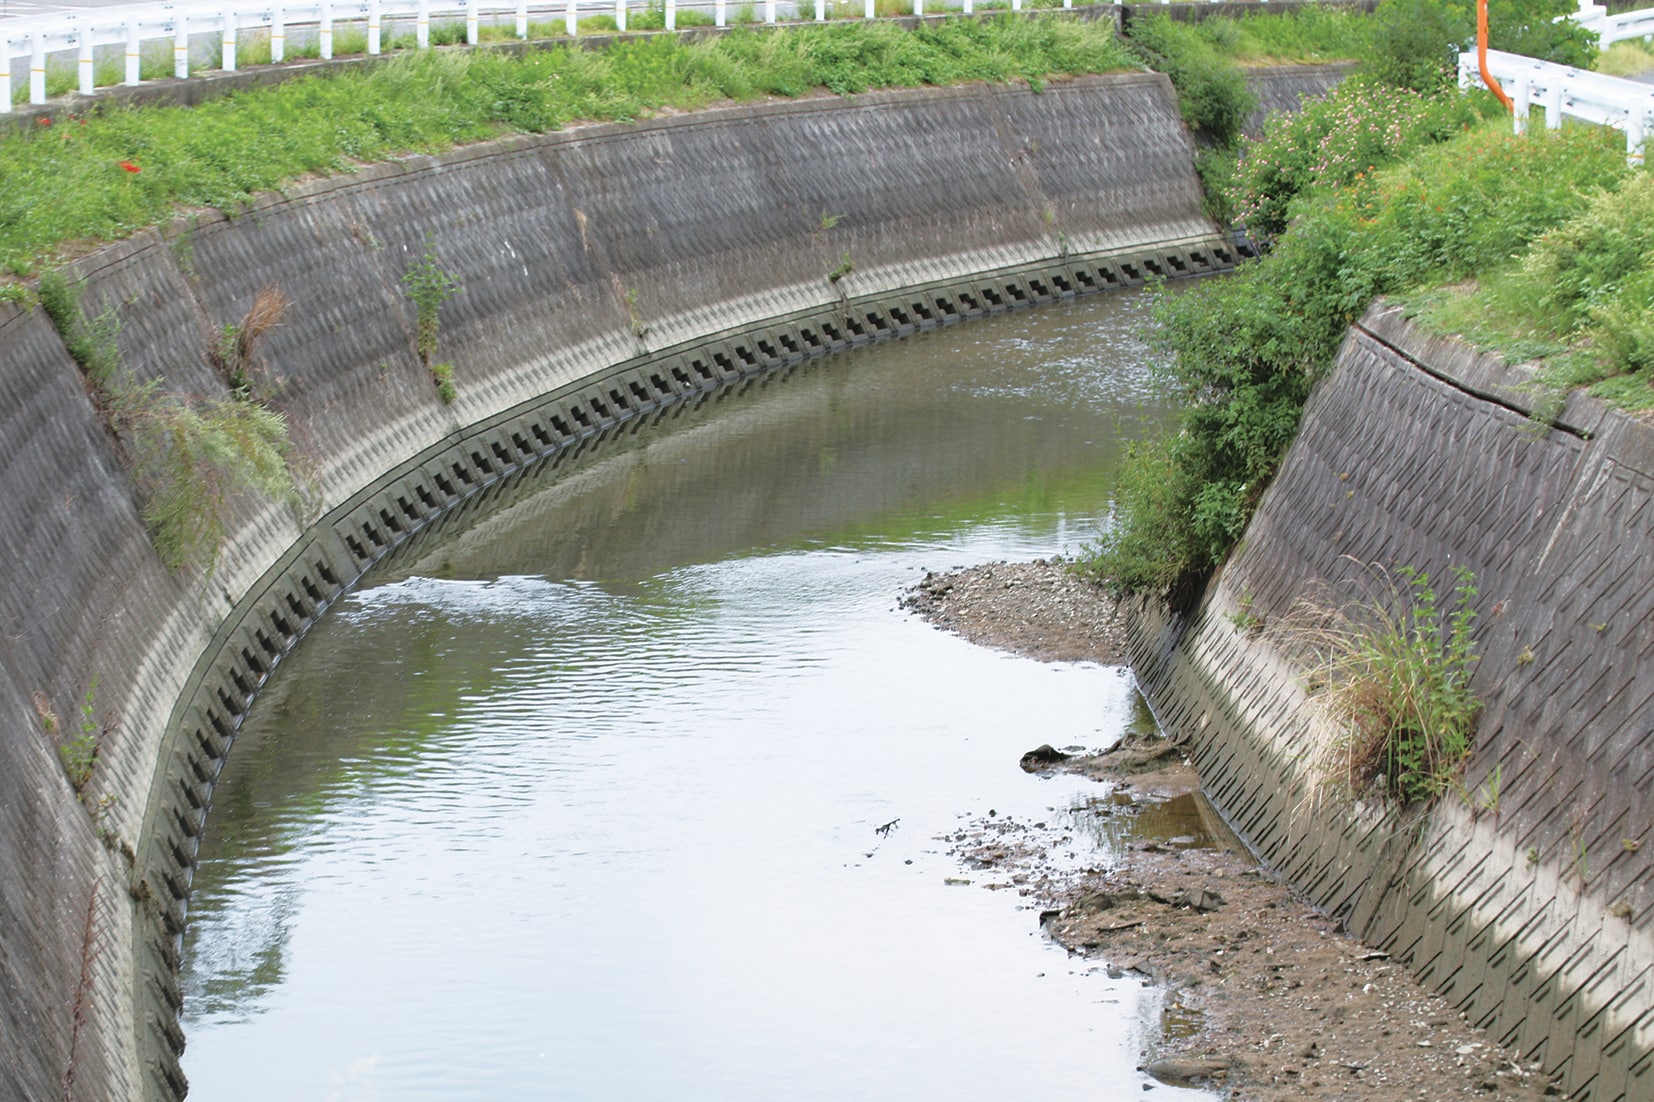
[[606, 272], [1528, 899]]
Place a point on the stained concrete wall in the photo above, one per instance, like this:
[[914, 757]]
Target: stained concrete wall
[[1528, 898], [607, 273]]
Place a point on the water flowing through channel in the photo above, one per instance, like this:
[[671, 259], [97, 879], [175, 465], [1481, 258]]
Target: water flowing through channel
[[635, 787]]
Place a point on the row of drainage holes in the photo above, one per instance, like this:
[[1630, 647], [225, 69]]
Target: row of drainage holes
[[874, 318]]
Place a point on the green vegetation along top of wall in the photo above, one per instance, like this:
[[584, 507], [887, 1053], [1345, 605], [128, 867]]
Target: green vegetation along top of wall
[[1381, 189], [106, 175], [67, 181]]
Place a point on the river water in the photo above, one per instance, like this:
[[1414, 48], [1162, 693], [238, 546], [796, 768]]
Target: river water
[[582, 799]]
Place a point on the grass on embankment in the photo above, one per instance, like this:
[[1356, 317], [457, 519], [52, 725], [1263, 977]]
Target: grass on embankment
[[109, 174], [1373, 192]]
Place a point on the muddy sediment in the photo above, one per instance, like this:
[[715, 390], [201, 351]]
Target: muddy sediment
[[1266, 997]]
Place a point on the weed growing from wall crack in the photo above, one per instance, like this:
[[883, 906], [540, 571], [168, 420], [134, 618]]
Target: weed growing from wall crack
[[79, 752], [428, 285], [1395, 670], [190, 457]]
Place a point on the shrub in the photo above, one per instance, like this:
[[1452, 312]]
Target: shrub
[[1416, 42], [1211, 90], [1358, 127], [1241, 354]]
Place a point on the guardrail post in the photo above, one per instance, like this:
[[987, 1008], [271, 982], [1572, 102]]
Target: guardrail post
[[821, 11], [422, 25], [376, 29], [769, 11], [867, 13], [278, 35], [471, 22], [324, 31], [5, 76], [620, 15], [671, 15], [1520, 94], [1636, 134], [134, 52], [720, 18], [180, 46], [37, 68], [918, 7], [571, 18], [227, 49], [1016, 5], [522, 19], [970, 8], [1553, 106], [87, 74]]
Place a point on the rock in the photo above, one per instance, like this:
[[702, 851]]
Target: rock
[[1042, 757], [1189, 1071]]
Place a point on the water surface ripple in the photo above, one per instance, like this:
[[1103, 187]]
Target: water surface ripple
[[581, 801]]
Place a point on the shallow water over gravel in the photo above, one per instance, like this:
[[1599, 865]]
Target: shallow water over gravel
[[632, 789]]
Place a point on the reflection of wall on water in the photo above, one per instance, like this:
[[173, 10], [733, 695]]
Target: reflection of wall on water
[[893, 432]]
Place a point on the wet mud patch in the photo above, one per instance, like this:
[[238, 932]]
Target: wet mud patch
[[1265, 997]]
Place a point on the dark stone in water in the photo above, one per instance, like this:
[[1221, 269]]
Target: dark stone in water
[[1042, 757], [1189, 1071]]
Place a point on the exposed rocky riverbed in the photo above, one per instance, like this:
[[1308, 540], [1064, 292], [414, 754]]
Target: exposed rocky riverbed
[[1266, 998]]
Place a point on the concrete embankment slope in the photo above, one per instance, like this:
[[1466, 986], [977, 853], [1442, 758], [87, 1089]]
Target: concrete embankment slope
[[1528, 898], [606, 274]]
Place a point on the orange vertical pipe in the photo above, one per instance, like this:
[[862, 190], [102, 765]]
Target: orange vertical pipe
[[1481, 57]]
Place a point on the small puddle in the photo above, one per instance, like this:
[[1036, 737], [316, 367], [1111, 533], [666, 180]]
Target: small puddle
[[1188, 821], [1178, 1021]]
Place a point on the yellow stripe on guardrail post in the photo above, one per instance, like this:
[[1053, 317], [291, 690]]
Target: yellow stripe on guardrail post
[[422, 27], [37, 68], [278, 34], [227, 43], [376, 24], [87, 74], [134, 52], [324, 32], [181, 46]]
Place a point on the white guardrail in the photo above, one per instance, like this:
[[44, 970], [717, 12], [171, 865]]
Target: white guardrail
[[1614, 28], [94, 35], [1627, 105]]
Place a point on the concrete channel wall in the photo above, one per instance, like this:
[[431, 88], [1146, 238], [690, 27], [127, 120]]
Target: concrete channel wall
[[1527, 899], [607, 273]]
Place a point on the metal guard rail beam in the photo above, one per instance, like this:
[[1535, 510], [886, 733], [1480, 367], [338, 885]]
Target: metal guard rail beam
[[86, 30], [1614, 28], [1591, 97]]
